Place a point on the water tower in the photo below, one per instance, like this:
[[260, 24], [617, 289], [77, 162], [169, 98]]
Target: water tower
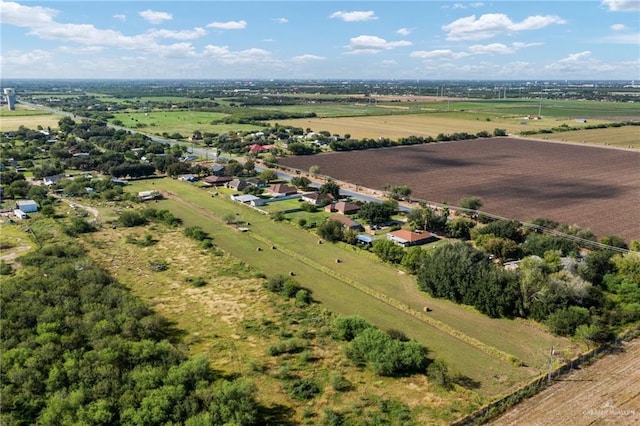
[[11, 98]]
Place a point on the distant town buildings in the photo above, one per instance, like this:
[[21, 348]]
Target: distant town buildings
[[10, 94]]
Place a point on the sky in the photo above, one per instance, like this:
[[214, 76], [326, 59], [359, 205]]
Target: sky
[[425, 40]]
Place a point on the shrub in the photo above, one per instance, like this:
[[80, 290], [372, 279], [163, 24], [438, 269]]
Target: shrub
[[132, 218], [340, 383], [303, 389], [347, 328], [5, 268]]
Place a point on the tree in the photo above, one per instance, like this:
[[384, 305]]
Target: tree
[[460, 228], [398, 192], [300, 182], [438, 372], [331, 230], [471, 203], [375, 212], [314, 170], [332, 188], [388, 251], [268, 175]]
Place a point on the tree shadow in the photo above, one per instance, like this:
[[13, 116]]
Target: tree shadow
[[277, 414], [466, 382]]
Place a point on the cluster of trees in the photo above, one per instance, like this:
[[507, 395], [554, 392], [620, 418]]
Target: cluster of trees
[[387, 354], [567, 128], [77, 348], [349, 144], [600, 293]]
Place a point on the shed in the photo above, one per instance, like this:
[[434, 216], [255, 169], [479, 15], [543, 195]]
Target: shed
[[27, 206]]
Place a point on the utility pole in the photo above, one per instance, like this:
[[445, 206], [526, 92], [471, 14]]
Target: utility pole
[[551, 354]]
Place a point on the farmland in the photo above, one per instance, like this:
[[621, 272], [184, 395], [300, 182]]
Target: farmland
[[30, 118], [603, 393], [516, 178]]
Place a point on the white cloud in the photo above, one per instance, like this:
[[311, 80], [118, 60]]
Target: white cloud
[[25, 16], [618, 27], [373, 44], [34, 57], [229, 57], [308, 57], [626, 38], [75, 50], [580, 63], [281, 20], [437, 54], [491, 49], [230, 25], [155, 17], [403, 31], [178, 35], [499, 48], [355, 16], [622, 5], [463, 5], [492, 24], [120, 17], [389, 62]]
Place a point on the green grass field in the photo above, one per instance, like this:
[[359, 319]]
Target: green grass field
[[313, 261], [183, 122]]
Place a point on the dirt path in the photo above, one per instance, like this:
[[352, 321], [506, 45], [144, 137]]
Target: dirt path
[[607, 392]]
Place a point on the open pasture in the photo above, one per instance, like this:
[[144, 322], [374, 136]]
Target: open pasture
[[424, 124], [183, 122], [30, 118], [523, 179], [336, 286]]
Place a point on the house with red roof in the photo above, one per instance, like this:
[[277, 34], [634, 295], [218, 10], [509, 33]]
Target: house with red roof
[[407, 238]]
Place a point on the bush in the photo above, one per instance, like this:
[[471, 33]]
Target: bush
[[340, 383], [385, 355], [197, 281], [303, 389], [131, 219], [196, 233], [5, 268], [347, 328]]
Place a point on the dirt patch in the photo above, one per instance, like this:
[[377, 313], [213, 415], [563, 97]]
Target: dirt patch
[[523, 179], [606, 392]]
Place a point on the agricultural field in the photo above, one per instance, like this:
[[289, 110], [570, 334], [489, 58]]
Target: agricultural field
[[621, 137], [426, 124], [183, 122], [605, 392], [29, 118], [517, 178]]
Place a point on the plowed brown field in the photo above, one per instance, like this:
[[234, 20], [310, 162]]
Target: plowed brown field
[[523, 179], [606, 392]]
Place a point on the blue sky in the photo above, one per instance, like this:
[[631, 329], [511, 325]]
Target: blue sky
[[480, 40]]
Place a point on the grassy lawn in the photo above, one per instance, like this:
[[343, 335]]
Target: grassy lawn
[[183, 122], [527, 342]]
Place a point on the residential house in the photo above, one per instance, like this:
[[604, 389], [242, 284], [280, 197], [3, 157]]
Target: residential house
[[249, 199], [217, 180], [317, 199], [257, 148], [217, 170], [343, 207], [407, 238], [282, 190], [346, 222], [237, 184]]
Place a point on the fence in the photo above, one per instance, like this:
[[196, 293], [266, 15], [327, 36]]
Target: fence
[[495, 408]]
